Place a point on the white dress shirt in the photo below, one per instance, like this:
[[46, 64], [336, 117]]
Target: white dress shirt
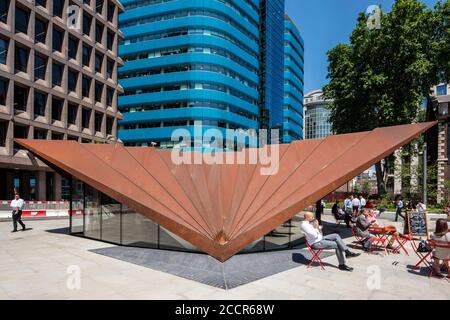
[[311, 234], [356, 202], [17, 204], [363, 202]]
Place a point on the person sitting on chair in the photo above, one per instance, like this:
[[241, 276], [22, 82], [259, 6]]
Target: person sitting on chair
[[363, 223], [314, 237], [441, 234], [340, 215]]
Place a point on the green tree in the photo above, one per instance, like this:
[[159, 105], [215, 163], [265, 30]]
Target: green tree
[[381, 77]]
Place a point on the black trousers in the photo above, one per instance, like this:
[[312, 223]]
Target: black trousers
[[17, 217], [399, 213]]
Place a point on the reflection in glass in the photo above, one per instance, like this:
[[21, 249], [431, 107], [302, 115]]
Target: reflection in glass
[[279, 238], [110, 219], [77, 206], [92, 213], [170, 241], [138, 230]]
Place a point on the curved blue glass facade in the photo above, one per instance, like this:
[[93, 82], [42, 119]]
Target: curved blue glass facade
[[293, 122], [185, 61]]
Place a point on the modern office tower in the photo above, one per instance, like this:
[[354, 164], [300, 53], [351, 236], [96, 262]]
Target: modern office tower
[[57, 82], [188, 60], [216, 61], [317, 115], [271, 64], [293, 82]]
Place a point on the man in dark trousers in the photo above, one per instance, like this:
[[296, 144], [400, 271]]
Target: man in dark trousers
[[399, 206], [17, 206], [319, 211]]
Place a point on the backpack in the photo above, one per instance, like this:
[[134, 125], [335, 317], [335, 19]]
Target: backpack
[[424, 247]]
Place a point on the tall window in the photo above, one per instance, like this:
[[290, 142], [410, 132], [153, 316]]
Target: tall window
[[72, 78], [40, 100], [57, 71], [109, 125], [57, 106], [109, 68], [58, 7], [20, 98], [4, 7], [21, 59], [86, 56], [40, 29], [58, 37], [98, 32], [98, 91], [86, 24], [3, 131], [111, 9], [98, 121], [73, 48], [3, 91], [85, 87], [85, 118], [109, 40], [40, 67], [98, 62], [99, 6], [22, 17], [109, 96], [72, 113], [3, 50], [57, 136]]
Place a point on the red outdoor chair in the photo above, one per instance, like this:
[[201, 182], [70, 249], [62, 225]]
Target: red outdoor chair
[[315, 256], [434, 244], [402, 240]]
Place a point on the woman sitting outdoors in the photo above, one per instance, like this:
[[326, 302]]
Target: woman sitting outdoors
[[441, 254]]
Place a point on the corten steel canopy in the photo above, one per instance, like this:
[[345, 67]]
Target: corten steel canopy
[[222, 209]]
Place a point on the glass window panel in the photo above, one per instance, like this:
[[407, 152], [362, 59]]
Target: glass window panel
[[98, 119], [40, 29], [86, 56], [109, 96], [98, 32], [21, 59], [42, 3], [57, 71], [442, 90], [85, 118], [77, 206], [4, 7], [40, 134], [111, 211], [296, 233], [3, 132], [86, 87], [3, 91], [98, 62], [58, 6], [3, 50], [109, 68], [92, 211], [57, 106], [20, 98], [109, 125], [57, 40], [72, 77], [87, 24], [170, 241], [73, 48], [111, 8], [72, 113], [110, 40], [98, 91], [40, 100], [22, 17], [40, 67], [99, 6], [138, 230], [279, 238]]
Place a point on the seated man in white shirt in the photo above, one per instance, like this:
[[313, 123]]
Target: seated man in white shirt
[[17, 206], [317, 241]]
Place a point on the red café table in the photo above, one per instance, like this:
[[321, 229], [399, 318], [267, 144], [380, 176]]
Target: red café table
[[386, 233]]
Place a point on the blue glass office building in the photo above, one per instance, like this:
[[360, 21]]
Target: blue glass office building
[[192, 60], [293, 123]]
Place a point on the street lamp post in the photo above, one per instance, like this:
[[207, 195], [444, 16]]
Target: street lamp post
[[424, 175]]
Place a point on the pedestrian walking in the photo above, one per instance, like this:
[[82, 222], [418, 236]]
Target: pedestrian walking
[[17, 205], [399, 205]]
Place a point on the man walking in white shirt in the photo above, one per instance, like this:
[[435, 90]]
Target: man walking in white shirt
[[356, 206], [17, 206], [362, 202], [317, 241]]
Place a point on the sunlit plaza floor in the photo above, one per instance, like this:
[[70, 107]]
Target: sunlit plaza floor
[[41, 264]]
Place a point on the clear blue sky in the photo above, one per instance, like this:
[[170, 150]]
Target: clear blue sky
[[324, 24]]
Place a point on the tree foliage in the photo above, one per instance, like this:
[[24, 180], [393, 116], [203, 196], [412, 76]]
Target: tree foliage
[[382, 76]]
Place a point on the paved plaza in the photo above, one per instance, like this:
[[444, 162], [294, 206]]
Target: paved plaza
[[41, 264]]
